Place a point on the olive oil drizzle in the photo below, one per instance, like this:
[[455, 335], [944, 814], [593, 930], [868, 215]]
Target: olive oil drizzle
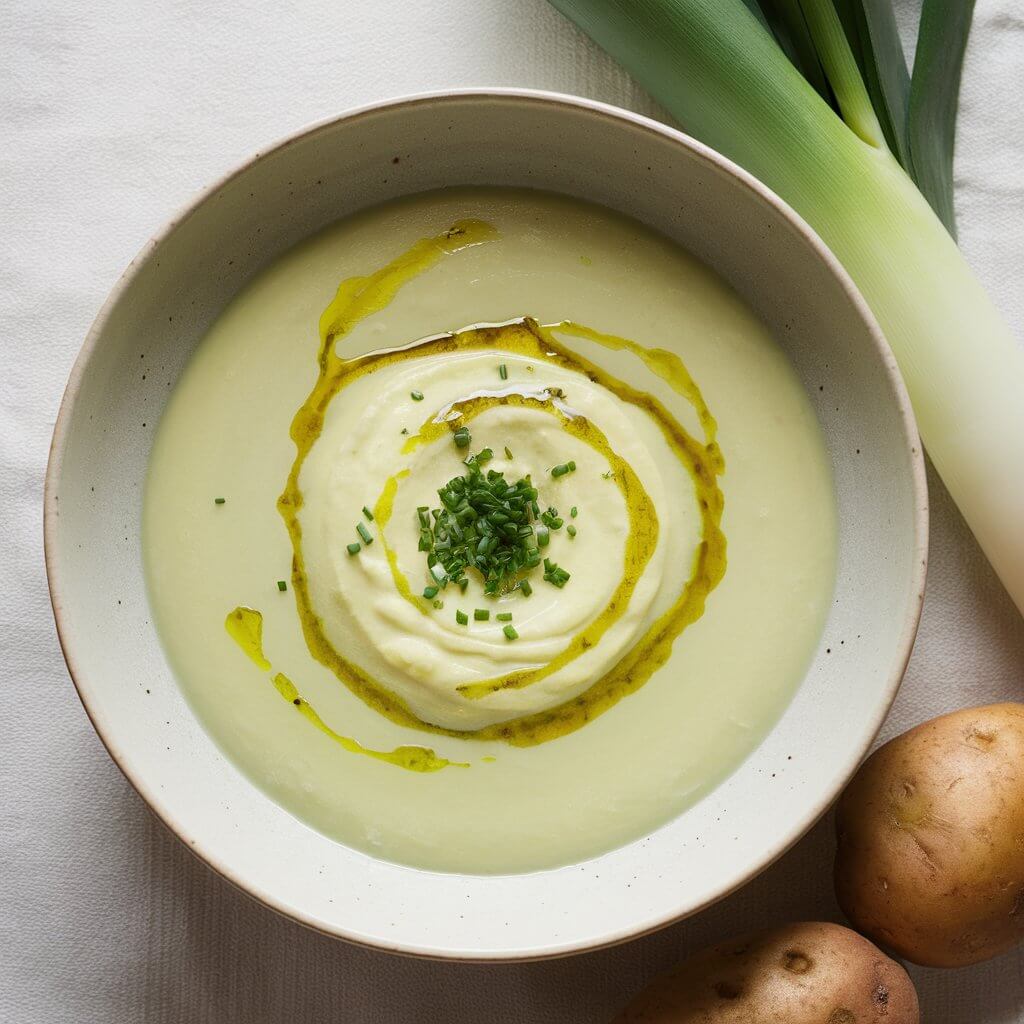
[[382, 516], [667, 365], [358, 298], [245, 627], [414, 759]]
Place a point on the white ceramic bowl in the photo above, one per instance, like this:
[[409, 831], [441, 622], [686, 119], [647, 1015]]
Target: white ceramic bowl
[[175, 289]]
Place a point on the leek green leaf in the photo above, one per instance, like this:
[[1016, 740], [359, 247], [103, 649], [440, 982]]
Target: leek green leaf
[[841, 70], [871, 28], [755, 9], [789, 26], [934, 94]]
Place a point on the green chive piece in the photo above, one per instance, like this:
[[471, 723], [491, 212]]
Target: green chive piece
[[554, 575], [430, 592], [405, 430], [368, 513], [559, 470], [510, 633], [364, 533], [504, 616], [508, 453], [439, 604], [354, 549], [481, 614], [463, 583], [219, 501], [573, 512], [461, 618], [462, 438], [572, 466], [524, 586], [571, 530], [503, 371], [551, 519], [543, 536], [416, 396], [282, 586]]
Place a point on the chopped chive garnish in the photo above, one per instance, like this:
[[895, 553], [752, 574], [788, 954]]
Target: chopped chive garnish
[[510, 633], [282, 586], [354, 549], [485, 524], [416, 396], [573, 512], [560, 470], [551, 519], [439, 604], [571, 530], [461, 618], [462, 438], [572, 466], [508, 453], [554, 575], [524, 586], [503, 371], [219, 501], [368, 513], [364, 533], [481, 614], [405, 430], [504, 616], [430, 592]]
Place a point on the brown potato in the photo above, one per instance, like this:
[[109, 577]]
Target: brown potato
[[810, 973], [931, 839]]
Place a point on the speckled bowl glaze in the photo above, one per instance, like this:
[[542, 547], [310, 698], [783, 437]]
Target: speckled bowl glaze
[[175, 289]]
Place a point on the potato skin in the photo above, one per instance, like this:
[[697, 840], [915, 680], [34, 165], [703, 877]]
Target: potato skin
[[930, 859], [809, 973]]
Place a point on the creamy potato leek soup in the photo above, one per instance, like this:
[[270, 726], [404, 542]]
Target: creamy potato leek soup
[[488, 530]]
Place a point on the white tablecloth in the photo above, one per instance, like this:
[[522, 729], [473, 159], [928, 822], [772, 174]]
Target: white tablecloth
[[111, 115]]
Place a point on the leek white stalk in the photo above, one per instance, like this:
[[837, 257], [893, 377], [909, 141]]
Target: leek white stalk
[[715, 68]]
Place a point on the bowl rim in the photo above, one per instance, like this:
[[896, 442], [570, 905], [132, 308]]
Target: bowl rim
[[603, 111]]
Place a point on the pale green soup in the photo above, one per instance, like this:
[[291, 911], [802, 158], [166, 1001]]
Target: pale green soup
[[612, 648]]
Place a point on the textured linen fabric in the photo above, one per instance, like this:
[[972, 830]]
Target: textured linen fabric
[[113, 114]]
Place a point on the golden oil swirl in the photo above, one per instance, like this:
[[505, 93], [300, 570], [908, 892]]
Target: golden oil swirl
[[360, 297]]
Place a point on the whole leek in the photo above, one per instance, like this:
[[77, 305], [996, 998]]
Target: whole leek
[[739, 75]]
